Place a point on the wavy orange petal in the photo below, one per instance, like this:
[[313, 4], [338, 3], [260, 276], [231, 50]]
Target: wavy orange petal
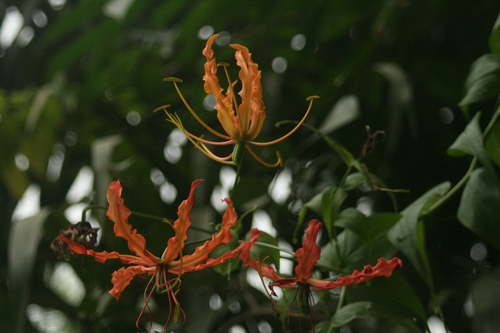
[[309, 253], [119, 213], [175, 244], [122, 277], [190, 262], [104, 255], [382, 268]]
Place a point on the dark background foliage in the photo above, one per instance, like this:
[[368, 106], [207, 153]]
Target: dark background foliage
[[68, 92]]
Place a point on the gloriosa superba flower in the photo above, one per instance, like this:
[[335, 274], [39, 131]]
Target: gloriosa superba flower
[[242, 121], [164, 272], [307, 257]]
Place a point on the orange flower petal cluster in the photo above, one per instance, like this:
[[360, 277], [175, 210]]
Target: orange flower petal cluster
[[307, 257], [242, 121], [173, 262]]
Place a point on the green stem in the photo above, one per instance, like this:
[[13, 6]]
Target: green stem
[[341, 299]]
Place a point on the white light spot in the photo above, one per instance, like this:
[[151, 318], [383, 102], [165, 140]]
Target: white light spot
[[223, 39], [12, 23], [436, 325], [446, 115], [365, 205], [262, 221], [172, 153], [29, 204], [66, 284], [133, 118], [25, 36], [227, 176], [117, 9], [279, 65], [469, 308], [254, 280], [168, 192], [55, 164], [70, 138], [205, 32], [22, 162], [57, 4], [286, 265], [82, 185], [48, 320], [178, 137], [39, 18], [279, 189], [216, 199], [264, 327], [157, 177], [298, 42], [215, 302], [236, 329], [209, 102], [478, 252]]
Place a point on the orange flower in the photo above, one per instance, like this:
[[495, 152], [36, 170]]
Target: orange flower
[[307, 257], [165, 271], [242, 122]]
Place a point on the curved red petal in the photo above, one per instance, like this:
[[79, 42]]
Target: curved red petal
[[194, 261], [104, 255], [122, 277], [263, 270], [119, 213], [382, 268], [176, 243], [309, 253]]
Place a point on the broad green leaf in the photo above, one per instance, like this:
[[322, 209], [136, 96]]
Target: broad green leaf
[[478, 210], [494, 40], [404, 234], [358, 310], [394, 294], [470, 141], [366, 227], [483, 82], [349, 252]]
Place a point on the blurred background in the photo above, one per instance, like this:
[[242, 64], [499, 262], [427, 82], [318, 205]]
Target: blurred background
[[79, 81]]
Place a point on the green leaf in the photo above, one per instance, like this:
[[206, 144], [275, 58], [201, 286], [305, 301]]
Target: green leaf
[[358, 310], [494, 40], [470, 141], [349, 252], [366, 227], [404, 235], [395, 294], [331, 201], [483, 82], [478, 210]]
